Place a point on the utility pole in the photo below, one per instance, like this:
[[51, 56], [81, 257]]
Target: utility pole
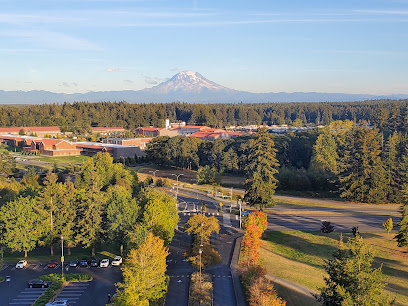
[[177, 176]]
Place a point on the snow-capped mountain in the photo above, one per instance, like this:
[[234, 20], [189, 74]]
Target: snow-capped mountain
[[187, 81], [186, 86]]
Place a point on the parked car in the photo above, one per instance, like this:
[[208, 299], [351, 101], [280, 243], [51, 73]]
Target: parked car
[[52, 264], [104, 263], [37, 283], [117, 261], [74, 263], [58, 303], [95, 262], [21, 264], [83, 263]]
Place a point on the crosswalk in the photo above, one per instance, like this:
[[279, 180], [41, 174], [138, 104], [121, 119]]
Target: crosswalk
[[73, 292], [28, 296]]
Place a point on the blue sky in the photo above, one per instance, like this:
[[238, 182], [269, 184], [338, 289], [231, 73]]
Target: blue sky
[[260, 46]]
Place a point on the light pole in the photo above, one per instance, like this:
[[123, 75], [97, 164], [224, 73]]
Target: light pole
[[62, 257], [177, 176], [240, 212], [200, 251], [154, 174], [231, 201]]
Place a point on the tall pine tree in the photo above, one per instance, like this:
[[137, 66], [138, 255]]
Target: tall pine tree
[[261, 169], [361, 172]]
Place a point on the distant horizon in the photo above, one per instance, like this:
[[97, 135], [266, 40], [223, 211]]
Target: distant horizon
[[73, 46], [106, 90]]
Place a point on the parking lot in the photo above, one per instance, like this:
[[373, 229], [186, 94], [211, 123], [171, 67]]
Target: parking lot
[[16, 292]]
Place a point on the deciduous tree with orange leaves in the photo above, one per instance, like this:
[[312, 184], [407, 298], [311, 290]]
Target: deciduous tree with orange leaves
[[259, 290], [255, 224]]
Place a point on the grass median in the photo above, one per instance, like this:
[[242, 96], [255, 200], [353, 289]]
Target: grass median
[[57, 284], [299, 257]]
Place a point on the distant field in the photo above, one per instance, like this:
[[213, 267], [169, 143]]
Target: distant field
[[299, 257]]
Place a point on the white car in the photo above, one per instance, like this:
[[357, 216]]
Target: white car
[[117, 261], [21, 264], [104, 263], [58, 303]]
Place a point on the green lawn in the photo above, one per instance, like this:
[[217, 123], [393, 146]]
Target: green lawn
[[62, 160], [299, 257]]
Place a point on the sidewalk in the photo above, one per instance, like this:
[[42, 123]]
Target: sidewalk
[[239, 292]]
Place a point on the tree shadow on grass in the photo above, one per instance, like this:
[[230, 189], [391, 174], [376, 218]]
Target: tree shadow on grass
[[293, 297], [299, 249]]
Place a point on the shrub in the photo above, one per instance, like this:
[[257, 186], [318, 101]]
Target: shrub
[[326, 227], [200, 293]]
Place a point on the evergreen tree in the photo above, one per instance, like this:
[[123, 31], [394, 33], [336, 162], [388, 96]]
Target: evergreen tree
[[47, 198], [144, 275], [7, 163], [351, 279], [402, 235], [361, 172], [67, 213], [261, 183], [392, 161], [90, 209]]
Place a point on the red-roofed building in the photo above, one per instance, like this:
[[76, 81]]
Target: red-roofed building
[[52, 147], [211, 136], [108, 131], [140, 141], [12, 141], [42, 131], [156, 132], [190, 129], [39, 131], [91, 150]]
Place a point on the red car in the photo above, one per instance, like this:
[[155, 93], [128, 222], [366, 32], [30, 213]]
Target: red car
[[52, 264]]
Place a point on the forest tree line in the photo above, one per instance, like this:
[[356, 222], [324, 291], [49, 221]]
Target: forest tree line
[[387, 115]]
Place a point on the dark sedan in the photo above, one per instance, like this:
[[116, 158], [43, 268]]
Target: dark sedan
[[37, 283]]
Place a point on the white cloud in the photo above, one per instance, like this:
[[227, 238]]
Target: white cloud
[[152, 80], [51, 39], [111, 69]]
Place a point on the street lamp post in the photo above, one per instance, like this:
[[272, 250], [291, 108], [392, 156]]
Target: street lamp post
[[231, 201], [240, 212], [200, 251], [177, 176], [62, 257], [154, 174]]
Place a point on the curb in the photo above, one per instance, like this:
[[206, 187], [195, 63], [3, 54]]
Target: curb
[[238, 290]]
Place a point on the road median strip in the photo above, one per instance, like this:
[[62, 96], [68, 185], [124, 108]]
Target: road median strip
[[58, 285]]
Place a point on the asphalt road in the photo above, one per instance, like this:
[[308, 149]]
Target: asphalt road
[[84, 294], [223, 292], [178, 269], [342, 223], [368, 218]]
